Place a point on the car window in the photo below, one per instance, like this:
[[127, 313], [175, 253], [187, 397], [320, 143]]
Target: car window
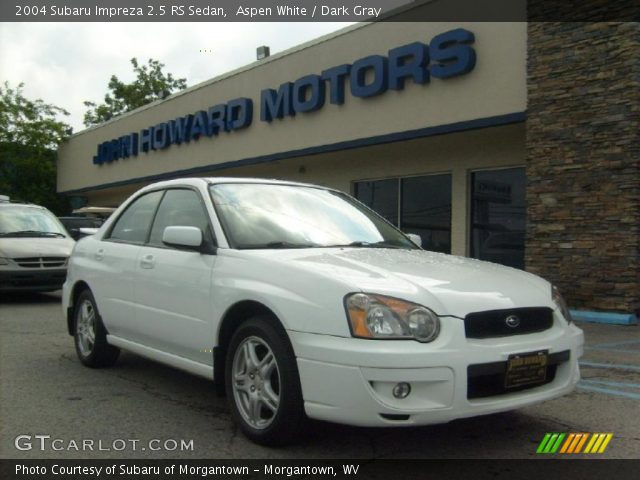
[[180, 207], [289, 216], [133, 225], [22, 220]]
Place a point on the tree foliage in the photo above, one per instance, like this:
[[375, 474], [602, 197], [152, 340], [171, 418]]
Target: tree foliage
[[27, 122], [30, 132], [151, 84]]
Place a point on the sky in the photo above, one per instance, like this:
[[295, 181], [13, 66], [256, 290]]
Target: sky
[[67, 63]]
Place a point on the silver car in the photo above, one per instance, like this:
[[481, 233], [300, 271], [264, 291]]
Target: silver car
[[34, 248]]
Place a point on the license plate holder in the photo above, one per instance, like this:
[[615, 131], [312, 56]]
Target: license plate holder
[[526, 369]]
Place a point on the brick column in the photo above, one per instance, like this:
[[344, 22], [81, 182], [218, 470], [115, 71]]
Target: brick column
[[583, 161]]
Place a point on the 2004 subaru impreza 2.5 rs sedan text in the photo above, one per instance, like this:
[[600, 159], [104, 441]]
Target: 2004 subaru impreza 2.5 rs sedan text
[[313, 306]]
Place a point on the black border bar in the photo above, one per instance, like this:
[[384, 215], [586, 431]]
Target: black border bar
[[316, 10], [366, 469]]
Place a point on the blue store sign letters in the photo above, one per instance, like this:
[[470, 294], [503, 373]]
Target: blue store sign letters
[[447, 55]]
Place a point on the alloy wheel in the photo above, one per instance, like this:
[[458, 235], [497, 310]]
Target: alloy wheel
[[256, 382]]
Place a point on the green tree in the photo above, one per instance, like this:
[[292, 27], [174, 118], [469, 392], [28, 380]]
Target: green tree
[[30, 133], [151, 84]]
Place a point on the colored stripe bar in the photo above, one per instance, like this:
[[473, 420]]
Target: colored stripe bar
[[574, 444], [555, 447], [596, 446], [543, 443], [581, 443], [550, 443], [605, 443], [594, 437], [567, 442]]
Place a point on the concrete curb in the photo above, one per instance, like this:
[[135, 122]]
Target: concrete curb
[[604, 317]]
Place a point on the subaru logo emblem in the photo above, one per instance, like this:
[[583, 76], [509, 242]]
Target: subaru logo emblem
[[512, 321]]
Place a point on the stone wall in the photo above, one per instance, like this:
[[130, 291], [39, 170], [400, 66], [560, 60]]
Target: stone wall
[[583, 161]]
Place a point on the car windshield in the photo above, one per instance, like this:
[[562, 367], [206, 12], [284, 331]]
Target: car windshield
[[17, 221], [289, 216]]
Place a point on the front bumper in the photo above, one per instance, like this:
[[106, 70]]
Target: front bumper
[[32, 280], [350, 381]]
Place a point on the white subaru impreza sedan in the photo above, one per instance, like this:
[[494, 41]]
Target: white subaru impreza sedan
[[299, 302]]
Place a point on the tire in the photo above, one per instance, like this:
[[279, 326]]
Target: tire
[[264, 395], [89, 334]]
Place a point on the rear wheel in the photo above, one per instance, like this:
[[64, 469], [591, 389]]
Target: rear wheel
[[262, 383], [90, 335]]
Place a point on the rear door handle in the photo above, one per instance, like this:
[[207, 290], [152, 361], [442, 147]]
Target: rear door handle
[[148, 261], [99, 255]]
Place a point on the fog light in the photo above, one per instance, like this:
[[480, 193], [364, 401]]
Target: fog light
[[402, 390]]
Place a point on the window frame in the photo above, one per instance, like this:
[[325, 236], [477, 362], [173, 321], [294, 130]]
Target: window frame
[[470, 223], [107, 236], [210, 249], [400, 179]]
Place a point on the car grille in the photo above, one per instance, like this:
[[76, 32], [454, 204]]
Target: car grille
[[41, 262], [35, 279], [494, 323], [488, 379]]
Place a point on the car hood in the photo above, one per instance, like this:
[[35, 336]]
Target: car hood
[[448, 284], [36, 247]]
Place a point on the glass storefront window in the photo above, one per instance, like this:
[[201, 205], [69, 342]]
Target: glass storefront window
[[498, 216], [426, 210], [420, 205], [380, 196]]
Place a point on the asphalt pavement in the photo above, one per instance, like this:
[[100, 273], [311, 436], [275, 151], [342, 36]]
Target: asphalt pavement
[[53, 407]]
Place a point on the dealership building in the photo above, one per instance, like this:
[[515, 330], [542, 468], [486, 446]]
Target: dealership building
[[511, 142]]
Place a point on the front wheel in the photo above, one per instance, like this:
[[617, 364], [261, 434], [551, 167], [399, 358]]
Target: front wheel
[[262, 383], [90, 335]]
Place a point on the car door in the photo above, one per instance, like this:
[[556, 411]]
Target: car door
[[173, 286], [113, 262]]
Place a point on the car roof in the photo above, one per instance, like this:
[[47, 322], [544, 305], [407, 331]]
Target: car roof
[[94, 210], [275, 181], [17, 204], [198, 181]]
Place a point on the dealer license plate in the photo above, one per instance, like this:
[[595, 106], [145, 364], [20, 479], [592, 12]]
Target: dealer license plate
[[526, 369]]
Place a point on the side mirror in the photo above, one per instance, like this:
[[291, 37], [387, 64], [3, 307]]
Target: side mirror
[[183, 237], [84, 231], [417, 239]]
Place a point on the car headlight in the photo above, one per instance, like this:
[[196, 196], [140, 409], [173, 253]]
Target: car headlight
[[382, 317], [562, 305], [4, 261]]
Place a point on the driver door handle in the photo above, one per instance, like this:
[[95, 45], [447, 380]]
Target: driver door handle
[[148, 261]]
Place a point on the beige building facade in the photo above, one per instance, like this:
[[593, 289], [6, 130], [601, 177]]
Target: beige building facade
[[452, 125], [424, 122]]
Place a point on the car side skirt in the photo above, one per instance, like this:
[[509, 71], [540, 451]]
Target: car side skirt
[[175, 361]]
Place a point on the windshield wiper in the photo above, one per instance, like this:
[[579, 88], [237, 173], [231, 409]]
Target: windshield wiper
[[363, 244], [275, 245], [31, 233]]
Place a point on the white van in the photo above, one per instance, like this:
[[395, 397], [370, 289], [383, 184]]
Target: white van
[[34, 248]]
